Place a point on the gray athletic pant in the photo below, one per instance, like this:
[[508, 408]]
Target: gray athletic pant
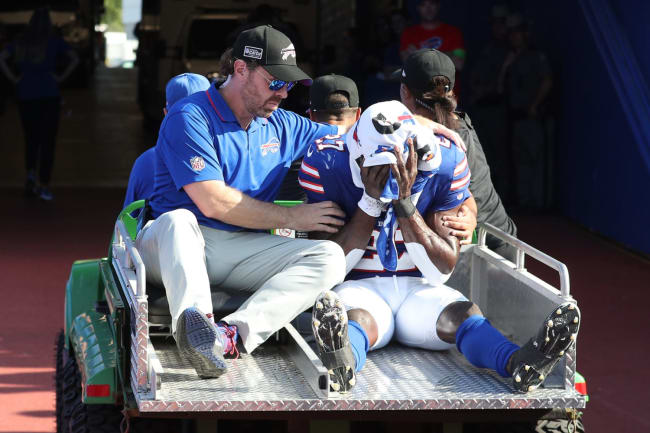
[[283, 275]]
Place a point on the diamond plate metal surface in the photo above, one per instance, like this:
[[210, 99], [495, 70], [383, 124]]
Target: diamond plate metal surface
[[394, 378], [139, 346]]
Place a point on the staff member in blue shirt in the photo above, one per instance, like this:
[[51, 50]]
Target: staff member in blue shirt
[[36, 54], [221, 156], [140, 184]]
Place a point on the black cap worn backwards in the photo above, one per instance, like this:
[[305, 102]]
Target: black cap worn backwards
[[324, 86], [422, 65], [272, 50]]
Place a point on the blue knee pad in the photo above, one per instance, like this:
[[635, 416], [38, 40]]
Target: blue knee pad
[[359, 343], [483, 345]]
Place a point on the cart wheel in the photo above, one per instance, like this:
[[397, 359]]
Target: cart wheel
[[74, 416], [58, 381]]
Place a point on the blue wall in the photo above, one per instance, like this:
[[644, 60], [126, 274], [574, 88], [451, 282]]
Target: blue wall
[[602, 172], [603, 178]]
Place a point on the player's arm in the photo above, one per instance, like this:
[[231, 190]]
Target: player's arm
[[463, 224], [440, 245], [355, 234], [217, 200]]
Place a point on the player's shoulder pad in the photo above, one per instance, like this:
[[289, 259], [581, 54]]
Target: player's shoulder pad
[[446, 143], [324, 155], [330, 143]]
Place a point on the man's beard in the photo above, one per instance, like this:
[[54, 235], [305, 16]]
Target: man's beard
[[252, 104]]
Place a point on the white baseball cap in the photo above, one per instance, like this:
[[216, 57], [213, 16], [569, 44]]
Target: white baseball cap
[[384, 126]]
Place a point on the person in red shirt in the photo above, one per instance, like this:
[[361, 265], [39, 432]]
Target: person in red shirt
[[432, 33]]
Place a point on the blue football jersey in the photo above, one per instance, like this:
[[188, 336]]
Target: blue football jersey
[[326, 174]]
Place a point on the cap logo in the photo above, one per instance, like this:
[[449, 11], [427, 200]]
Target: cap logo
[[253, 52], [383, 126], [288, 51]]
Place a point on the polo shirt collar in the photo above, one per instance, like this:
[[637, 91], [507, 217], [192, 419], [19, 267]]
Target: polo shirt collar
[[224, 112], [219, 105]]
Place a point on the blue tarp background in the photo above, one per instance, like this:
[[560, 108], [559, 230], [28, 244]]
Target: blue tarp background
[[602, 173]]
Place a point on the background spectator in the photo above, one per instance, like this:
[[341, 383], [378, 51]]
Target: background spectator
[[489, 112], [527, 80], [430, 32], [35, 54]]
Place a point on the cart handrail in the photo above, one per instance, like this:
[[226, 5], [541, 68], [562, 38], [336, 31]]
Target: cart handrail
[[122, 237], [523, 249]]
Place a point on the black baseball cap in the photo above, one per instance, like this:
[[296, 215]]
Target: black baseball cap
[[421, 65], [272, 50], [326, 85]]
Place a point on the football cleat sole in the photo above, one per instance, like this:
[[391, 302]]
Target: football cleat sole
[[199, 343], [330, 327], [536, 359]]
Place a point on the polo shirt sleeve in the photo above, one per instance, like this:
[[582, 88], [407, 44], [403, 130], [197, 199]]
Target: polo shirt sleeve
[[187, 147], [303, 132]]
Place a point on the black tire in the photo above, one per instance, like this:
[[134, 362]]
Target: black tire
[[77, 417], [73, 416], [58, 381]]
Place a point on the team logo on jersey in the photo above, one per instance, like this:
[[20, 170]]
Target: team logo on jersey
[[406, 118], [433, 42], [197, 163], [253, 52], [288, 51], [459, 196], [383, 125], [273, 145]]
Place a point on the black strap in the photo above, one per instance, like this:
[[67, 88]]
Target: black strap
[[404, 208], [144, 216]]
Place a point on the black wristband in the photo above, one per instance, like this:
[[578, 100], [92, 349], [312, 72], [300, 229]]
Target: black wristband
[[404, 208]]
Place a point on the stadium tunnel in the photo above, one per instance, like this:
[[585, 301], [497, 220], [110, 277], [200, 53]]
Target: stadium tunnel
[[597, 186]]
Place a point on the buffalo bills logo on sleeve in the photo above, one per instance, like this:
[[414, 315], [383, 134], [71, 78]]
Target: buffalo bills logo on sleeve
[[197, 163], [330, 142], [383, 125]]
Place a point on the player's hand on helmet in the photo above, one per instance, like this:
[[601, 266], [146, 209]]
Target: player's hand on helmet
[[325, 216], [462, 225], [374, 179], [405, 172]]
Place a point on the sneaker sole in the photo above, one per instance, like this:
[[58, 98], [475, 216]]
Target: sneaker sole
[[330, 327], [198, 344], [556, 335]]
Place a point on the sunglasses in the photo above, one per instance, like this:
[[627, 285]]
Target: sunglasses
[[276, 85]]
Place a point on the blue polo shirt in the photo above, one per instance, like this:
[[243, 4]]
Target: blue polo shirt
[[200, 139], [141, 178]]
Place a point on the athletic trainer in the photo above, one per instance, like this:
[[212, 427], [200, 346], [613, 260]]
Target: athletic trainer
[[221, 156]]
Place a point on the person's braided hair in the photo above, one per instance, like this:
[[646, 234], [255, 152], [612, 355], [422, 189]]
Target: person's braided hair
[[439, 100]]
